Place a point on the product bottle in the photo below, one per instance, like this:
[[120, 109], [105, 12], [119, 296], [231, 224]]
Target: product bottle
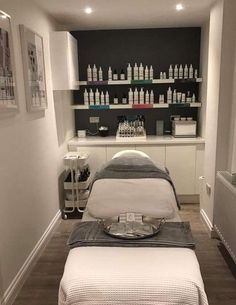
[[124, 99], [100, 74], [147, 97], [109, 74], [131, 96], [107, 98], [195, 73], [115, 75], [141, 96], [191, 71], [140, 72], [95, 73], [164, 75], [183, 98], [181, 71], [97, 97], [116, 101], [176, 71], [122, 75], [161, 75], [135, 96], [188, 99], [170, 72], [135, 71], [91, 97], [174, 97], [169, 95], [185, 71], [193, 98], [151, 73], [129, 72], [151, 97], [146, 73], [160, 98], [102, 98], [86, 97], [89, 74]]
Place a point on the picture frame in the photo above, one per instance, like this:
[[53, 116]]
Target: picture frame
[[8, 99], [34, 69]]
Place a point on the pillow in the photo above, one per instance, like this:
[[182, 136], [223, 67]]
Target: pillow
[[130, 153]]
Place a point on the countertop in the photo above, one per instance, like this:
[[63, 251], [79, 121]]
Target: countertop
[[111, 140]]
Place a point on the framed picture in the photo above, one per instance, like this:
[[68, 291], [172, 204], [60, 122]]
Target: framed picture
[[34, 69], [8, 101]]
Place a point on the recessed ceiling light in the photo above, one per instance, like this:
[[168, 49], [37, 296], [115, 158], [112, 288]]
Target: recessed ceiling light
[[179, 7], [88, 10]]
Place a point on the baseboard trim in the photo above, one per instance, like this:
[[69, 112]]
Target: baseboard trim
[[17, 283], [208, 224]]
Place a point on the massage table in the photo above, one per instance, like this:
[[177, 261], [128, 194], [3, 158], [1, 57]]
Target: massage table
[[132, 276]]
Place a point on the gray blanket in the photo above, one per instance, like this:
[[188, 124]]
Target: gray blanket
[[172, 234], [133, 168]]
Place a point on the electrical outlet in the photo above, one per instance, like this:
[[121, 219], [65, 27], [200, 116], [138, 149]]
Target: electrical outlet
[[94, 119]]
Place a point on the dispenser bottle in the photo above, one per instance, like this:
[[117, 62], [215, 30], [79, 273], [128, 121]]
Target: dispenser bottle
[[89, 74], [131, 96], [170, 72], [91, 97], [107, 98], [191, 71], [100, 74], [181, 71], [146, 97], [174, 97], [86, 97], [193, 98], [109, 74], [151, 97], [146, 73], [95, 73], [151, 72], [195, 73], [97, 97], [140, 72], [169, 95], [129, 72], [135, 96], [176, 71], [141, 96], [135, 71], [102, 98], [185, 71]]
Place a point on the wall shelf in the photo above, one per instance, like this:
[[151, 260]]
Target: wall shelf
[[135, 106], [139, 82]]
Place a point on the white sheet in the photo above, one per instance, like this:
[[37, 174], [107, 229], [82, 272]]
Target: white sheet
[[151, 197], [131, 276]]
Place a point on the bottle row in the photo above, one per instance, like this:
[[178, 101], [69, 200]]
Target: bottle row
[[141, 73], [138, 97]]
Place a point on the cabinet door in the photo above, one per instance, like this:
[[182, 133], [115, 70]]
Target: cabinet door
[[97, 156], [112, 150], [180, 161], [199, 166], [156, 153]]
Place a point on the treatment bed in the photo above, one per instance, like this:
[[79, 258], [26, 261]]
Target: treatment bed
[[99, 275]]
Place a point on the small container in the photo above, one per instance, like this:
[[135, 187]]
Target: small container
[[183, 118], [103, 131], [81, 133], [189, 118]]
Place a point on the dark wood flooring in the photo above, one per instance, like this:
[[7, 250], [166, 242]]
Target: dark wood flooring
[[218, 270]]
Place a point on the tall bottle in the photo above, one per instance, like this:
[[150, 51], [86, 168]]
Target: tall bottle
[[174, 97], [141, 96], [97, 97], [86, 97], [151, 72], [135, 96], [107, 100], [146, 97], [91, 97], [102, 98], [100, 74], [129, 72], [185, 71], [191, 71], [140, 72], [170, 72], [131, 96], [181, 72], [89, 74], [151, 97], [176, 71], [195, 73], [95, 73], [146, 73], [169, 95], [135, 71], [109, 73]]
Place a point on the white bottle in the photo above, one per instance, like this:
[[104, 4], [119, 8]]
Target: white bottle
[[95, 73], [191, 71], [107, 98], [129, 72], [147, 97], [86, 97], [160, 98], [161, 75], [116, 101], [141, 96], [91, 97], [135, 96], [97, 97], [115, 75], [102, 98], [185, 71], [146, 73], [140, 72], [181, 71], [183, 98], [151, 73], [131, 96], [151, 97], [169, 95], [109, 73], [170, 72], [100, 74], [193, 98], [89, 74], [176, 71], [195, 73], [174, 97], [164, 75], [135, 72]]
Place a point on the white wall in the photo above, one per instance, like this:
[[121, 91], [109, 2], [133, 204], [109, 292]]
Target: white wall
[[31, 148]]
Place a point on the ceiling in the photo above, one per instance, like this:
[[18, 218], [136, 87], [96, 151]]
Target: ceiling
[[124, 14]]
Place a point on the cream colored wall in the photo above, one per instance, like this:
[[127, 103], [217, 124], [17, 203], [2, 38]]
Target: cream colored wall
[[31, 147]]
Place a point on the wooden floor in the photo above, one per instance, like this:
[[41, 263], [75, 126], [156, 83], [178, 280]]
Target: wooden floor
[[220, 281]]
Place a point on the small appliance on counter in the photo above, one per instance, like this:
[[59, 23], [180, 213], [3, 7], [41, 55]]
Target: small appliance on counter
[[103, 131], [184, 128]]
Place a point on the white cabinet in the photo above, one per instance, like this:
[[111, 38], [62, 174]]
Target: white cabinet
[[180, 161], [112, 150], [64, 61], [156, 153], [199, 166]]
